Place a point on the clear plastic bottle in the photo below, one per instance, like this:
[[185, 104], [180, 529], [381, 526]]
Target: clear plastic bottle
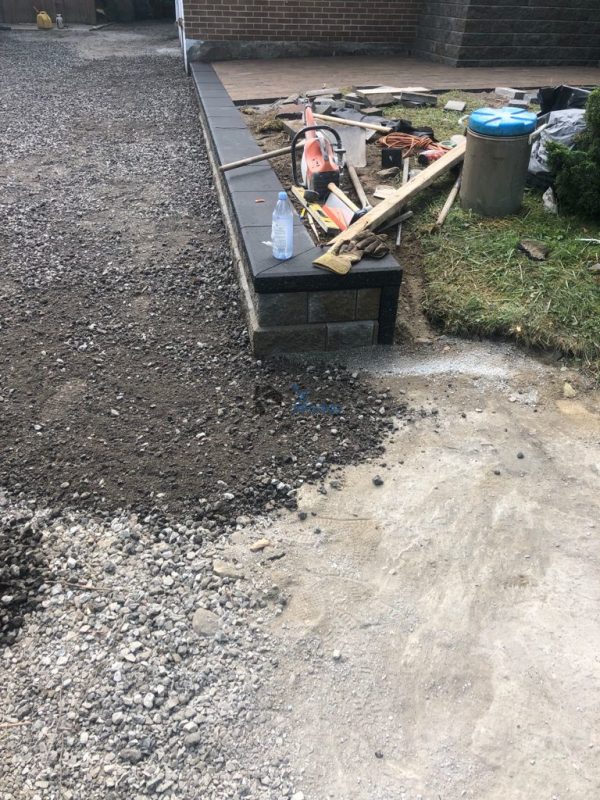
[[59, 21], [282, 231]]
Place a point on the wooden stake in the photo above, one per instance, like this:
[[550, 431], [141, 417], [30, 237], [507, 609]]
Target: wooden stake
[[448, 204], [358, 187], [405, 169]]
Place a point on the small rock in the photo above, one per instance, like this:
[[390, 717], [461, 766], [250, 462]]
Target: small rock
[[192, 739], [520, 454], [378, 480], [569, 390], [536, 251], [378, 754], [259, 545], [336, 655], [148, 700], [302, 515], [390, 172], [225, 569], [204, 622], [298, 796], [131, 754], [594, 268], [114, 412]]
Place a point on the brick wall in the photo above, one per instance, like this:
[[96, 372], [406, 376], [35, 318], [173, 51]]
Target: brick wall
[[440, 30], [302, 20], [510, 32], [455, 32]]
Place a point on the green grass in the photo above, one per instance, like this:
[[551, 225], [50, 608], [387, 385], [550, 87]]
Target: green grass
[[444, 123], [477, 282]]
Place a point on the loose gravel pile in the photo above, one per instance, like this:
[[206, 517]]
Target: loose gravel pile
[[136, 430]]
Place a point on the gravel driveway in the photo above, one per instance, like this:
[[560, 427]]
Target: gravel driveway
[[136, 430]]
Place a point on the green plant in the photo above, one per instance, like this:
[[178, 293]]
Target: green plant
[[577, 171]]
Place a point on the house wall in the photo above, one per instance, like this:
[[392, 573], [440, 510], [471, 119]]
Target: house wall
[[503, 33], [440, 30], [454, 32], [509, 32], [386, 21]]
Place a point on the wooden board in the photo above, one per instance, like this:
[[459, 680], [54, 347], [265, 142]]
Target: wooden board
[[387, 208]]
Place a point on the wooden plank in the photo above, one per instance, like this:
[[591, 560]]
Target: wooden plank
[[387, 208], [382, 192], [369, 126]]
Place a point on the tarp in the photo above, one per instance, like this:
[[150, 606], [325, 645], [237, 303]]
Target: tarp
[[563, 127]]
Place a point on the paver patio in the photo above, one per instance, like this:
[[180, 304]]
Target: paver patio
[[256, 79]]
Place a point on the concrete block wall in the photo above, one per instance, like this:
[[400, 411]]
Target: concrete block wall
[[328, 320], [472, 33], [523, 32], [440, 29]]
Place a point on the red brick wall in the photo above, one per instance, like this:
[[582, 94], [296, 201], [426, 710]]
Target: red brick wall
[[391, 21]]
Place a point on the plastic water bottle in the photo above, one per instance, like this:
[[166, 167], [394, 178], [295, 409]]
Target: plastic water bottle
[[59, 21], [282, 231]]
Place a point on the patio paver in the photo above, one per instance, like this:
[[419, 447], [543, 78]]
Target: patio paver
[[256, 79]]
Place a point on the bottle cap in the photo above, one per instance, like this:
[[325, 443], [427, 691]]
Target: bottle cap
[[283, 195]]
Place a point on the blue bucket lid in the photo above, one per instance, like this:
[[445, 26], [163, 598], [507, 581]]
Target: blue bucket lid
[[502, 121]]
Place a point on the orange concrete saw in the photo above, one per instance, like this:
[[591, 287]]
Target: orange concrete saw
[[321, 160]]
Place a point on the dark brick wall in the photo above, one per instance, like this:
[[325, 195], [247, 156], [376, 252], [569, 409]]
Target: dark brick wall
[[455, 32], [440, 30], [385, 21], [509, 32], [555, 32]]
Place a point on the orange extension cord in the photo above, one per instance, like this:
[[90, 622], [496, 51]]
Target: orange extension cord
[[409, 144]]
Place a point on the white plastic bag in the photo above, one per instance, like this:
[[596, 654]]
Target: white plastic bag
[[563, 127]]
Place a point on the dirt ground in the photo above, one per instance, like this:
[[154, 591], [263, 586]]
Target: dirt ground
[[441, 637], [432, 635]]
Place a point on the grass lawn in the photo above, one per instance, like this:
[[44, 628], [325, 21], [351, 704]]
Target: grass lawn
[[478, 283]]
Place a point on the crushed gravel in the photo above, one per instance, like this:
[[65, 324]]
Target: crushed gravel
[[136, 430]]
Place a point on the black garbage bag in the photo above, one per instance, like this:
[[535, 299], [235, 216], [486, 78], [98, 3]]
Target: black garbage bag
[[558, 98]]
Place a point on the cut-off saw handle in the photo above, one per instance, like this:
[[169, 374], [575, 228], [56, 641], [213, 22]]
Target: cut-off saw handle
[[339, 149]]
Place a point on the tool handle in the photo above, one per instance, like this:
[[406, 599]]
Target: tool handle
[[254, 159], [358, 187], [355, 123]]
